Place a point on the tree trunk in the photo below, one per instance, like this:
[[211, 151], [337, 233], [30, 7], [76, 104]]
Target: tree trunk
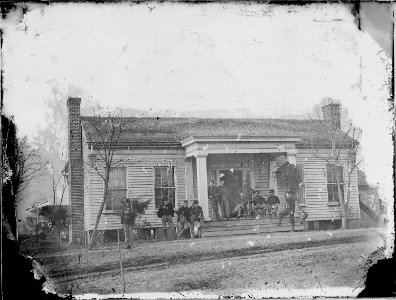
[[342, 202], [92, 240]]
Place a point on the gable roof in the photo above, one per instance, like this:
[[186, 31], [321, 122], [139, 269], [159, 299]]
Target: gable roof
[[153, 131]]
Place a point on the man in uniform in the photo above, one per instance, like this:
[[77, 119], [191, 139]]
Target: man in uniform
[[272, 202], [214, 199], [259, 203], [196, 219], [223, 193], [183, 218], [128, 220], [289, 210], [166, 213]]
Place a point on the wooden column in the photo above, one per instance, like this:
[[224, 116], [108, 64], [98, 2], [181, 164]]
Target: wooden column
[[189, 179], [202, 184]]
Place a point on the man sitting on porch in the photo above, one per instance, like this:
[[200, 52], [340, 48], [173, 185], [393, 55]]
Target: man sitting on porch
[[196, 219], [272, 202], [241, 207], [259, 204]]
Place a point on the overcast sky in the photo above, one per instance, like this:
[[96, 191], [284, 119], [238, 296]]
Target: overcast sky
[[241, 60]]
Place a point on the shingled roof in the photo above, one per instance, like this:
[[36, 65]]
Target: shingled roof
[[174, 130]]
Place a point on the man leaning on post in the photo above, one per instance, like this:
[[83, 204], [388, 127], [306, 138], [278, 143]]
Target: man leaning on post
[[166, 213]]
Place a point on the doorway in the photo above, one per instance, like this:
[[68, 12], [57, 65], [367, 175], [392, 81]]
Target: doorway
[[233, 180]]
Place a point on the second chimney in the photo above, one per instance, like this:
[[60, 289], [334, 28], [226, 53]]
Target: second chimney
[[331, 112]]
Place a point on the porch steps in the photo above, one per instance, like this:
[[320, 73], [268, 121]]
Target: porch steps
[[247, 226]]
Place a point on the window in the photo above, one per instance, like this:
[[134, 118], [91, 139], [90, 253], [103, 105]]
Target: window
[[332, 190], [117, 188], [301, 187], [164, 185]]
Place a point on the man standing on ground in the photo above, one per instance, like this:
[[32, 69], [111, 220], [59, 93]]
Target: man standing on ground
[[128, 220], [196, 219], [223, 192], [166, 213], [289, 210], [184, 218], [214, 199]]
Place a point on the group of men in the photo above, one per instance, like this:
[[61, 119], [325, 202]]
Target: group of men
[[251, 201], [188, 218], [192, 218]]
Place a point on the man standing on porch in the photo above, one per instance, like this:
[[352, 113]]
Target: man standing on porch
[[289, 210], [214, 199], [223, 192], [247, 194]]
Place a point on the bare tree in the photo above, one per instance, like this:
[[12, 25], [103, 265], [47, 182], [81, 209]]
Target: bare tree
[[59, 185], [325, 131], [108, 131], [30, 165]]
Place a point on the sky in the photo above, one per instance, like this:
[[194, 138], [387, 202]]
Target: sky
[[225, 60]]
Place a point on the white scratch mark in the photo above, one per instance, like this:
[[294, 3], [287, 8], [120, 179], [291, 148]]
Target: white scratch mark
[[250, 243]]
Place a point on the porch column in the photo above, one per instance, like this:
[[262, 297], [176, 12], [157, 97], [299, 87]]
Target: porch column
[[189, 179], [202, 184]]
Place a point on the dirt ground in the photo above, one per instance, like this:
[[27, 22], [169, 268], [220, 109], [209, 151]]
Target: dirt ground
[[266, 265]]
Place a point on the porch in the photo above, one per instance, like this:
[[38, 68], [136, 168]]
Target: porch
[[234, 160]]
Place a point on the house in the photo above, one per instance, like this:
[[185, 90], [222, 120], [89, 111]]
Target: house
[[177, 157]]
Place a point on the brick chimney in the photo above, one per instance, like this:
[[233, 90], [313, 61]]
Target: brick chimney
[[331, 111], [76, 173]]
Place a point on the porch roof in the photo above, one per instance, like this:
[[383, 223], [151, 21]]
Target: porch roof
[[204, 145]]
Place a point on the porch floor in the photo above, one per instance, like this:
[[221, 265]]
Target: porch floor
[[247, 226]]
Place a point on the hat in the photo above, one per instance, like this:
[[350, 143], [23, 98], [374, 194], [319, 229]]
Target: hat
[[272, 191], [195, 201], [127, 200], [164, 199], [288, 192]]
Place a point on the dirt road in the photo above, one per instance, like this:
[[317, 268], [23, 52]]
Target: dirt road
[[317, 263]]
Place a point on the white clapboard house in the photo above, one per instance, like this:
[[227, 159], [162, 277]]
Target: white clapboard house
[[177, 157]]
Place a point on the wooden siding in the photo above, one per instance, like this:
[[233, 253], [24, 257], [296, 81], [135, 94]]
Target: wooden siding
[[261, 174], [87, 185], [316, 202], [140, 183]]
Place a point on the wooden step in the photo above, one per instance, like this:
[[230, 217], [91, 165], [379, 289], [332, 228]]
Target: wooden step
[[247, 222], [242, 231], [247, 226]]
